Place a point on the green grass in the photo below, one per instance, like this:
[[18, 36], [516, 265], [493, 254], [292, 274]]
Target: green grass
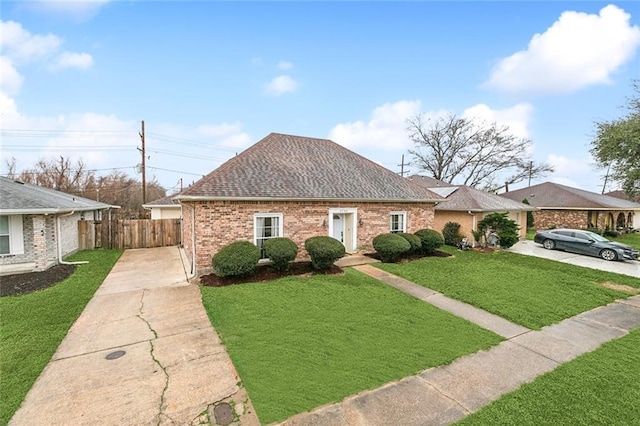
[[33, 325], [527, 290], [598, 388], [300, 343]]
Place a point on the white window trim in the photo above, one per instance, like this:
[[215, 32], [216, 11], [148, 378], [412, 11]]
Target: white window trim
[[16, 236], [256, 216], [404, 220]]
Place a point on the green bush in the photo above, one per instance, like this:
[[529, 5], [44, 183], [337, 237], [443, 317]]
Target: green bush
[[236, 259], [430, 239], [506, 228], [280, 251], [610, 233], [390, 246], [414, 241], [324, 251], [451, 233]]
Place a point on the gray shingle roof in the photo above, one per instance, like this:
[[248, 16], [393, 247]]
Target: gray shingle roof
[[22, 198], [294, 167], [167, 201], [464, 198], [550, 195]]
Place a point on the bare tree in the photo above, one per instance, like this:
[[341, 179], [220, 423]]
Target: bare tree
[[471, 152], [60, 174]]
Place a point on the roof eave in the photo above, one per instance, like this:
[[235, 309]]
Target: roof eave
[[52, 211]]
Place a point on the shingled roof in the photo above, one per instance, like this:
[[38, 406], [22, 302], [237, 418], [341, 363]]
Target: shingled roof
[[464, 198], [549, 195], [301, 168], [22, 198], [167, 202]]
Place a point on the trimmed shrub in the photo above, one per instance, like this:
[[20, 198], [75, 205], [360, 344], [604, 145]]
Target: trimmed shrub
[[236, 259], [451, 233], [280, 251], [414, 241], [389, 246], [610, 233], [430, 239], [324, 251]]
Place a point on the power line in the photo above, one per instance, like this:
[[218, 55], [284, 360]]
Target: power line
[[175, 171]]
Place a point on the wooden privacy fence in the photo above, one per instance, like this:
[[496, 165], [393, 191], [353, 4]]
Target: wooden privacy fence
[[128, 233]]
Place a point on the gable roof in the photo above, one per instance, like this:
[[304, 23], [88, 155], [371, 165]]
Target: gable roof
[[23, 198], [465, 198], [549, 195], [166, 202], [291, 167]]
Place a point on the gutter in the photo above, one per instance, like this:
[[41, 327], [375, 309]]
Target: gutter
[[59, 241], [344, 200]]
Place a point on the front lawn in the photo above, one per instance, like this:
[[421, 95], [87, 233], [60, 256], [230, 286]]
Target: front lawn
[[630, 239], [527, 290], [299, 343], [598, 388], [33, 325]]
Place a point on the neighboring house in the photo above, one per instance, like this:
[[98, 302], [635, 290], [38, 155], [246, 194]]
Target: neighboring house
[[298, 187], [623, 195], [39, 226], [562, 206], [467, 206], [164, 208]]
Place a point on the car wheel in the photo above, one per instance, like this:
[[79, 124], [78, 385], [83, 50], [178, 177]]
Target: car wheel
[[549, 244], [608, 254]]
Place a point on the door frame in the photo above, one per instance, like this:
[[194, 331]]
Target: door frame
[[350, 217]]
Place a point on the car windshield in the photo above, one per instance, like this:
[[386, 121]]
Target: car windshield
[[596, 237]]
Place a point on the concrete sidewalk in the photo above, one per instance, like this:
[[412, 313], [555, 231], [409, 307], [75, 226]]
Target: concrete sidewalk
[[142, 352], [445, 394]]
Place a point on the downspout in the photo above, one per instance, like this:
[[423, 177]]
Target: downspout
[[193, 239], [59, 242], [473, 227]]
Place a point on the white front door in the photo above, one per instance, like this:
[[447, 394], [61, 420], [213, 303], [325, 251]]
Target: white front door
[[338, 227]]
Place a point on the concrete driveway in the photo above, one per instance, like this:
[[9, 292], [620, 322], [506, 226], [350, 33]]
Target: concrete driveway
[[631, 268], [143, 352]]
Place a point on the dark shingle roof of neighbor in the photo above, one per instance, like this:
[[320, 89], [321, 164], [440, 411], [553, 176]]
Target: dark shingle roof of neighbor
[[549, 195], [619, 193], [167, 201], [465, 198], [295, 167], [22, 198]]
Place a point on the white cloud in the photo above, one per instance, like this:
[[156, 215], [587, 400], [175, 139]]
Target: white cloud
[[7, 105], [516, 118], [284, 65], [570, 171], [225, 134], [80, 61], [22, 46], [578, 50], [11, 80], [281, 85], [385, 130]]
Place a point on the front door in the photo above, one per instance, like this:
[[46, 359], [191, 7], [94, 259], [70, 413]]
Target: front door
[[338, 227]]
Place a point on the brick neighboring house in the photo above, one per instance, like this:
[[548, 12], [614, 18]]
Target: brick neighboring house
[[164, 208], [39, 226], [623, 195], [298, 187], [564, 206], [467, 206]]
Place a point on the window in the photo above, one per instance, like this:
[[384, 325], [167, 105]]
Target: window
[[11, 235], [4, 235], [398, 222], [265, 226]]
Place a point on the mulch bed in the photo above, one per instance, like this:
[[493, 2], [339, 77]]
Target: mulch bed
[[411, 257], [12, 285], [267, 273]]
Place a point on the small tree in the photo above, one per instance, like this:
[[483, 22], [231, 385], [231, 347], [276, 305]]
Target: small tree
[[506, 228], [451, 233]]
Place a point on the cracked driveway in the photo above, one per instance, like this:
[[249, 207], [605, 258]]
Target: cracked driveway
[[174, 366]]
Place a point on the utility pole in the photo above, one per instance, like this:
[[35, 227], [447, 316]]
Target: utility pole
[[402, 164], [606, 178], [143, 166]]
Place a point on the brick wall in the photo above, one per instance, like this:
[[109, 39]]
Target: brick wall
[[222, 222], [69, 233], [579, 219]]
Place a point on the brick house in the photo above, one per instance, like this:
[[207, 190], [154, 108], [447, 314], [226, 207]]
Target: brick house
[[567, 207], [39, 226], [299, 187], [467, 206]]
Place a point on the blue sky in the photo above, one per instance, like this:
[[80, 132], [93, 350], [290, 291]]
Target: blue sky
[[211, 78]]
